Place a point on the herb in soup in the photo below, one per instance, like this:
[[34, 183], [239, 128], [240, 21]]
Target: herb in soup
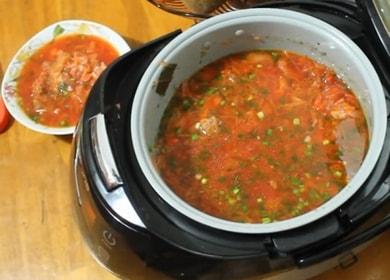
[[261, 136], [56, 80]]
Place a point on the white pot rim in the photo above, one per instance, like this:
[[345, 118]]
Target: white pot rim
[[243, 16]]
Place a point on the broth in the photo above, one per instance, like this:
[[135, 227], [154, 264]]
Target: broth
[[261, 136], [56, 80]]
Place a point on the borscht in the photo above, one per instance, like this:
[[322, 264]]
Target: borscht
[[56, 80], [261, 136]]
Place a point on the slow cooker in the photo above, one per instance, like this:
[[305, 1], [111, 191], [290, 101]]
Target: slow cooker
[[122, 213]]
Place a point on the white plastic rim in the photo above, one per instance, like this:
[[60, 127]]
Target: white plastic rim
[[145, 96], [9, 83]]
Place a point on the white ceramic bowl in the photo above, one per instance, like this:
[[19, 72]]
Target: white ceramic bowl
[[247, 30], [9, 84]]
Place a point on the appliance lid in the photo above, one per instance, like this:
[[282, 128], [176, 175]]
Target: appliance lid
[[375, 15], [383, 9]]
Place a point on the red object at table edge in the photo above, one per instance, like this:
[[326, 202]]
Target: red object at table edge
[[4, 117]]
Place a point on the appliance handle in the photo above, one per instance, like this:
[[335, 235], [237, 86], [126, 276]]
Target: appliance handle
[[344, 245]]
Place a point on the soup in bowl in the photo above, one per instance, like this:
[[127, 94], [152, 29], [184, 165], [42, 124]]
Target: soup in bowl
[[49, 79], [258, 121]]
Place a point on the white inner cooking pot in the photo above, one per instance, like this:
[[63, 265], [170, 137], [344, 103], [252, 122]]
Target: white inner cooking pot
[[243, 31]]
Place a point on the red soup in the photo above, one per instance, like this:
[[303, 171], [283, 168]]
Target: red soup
[[261, 136], [56, 80]]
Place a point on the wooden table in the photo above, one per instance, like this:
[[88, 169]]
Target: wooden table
[[39, 238]]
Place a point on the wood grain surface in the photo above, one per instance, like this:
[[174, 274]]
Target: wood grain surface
[[39, 237]]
